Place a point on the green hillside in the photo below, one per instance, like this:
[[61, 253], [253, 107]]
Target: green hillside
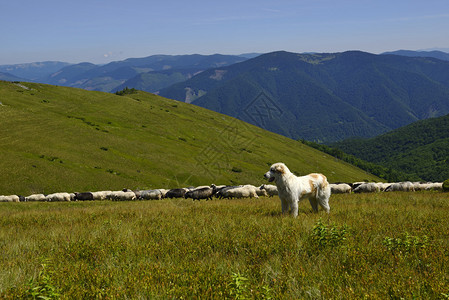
[[64, 139], [421, 148]]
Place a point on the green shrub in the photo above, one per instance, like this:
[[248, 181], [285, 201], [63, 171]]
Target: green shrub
[[446, 185], [329, 235]]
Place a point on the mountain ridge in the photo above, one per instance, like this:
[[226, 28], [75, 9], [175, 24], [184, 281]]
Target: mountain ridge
[[329, 96]]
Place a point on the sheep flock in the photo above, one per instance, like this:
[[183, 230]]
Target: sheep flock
[[219, 192]]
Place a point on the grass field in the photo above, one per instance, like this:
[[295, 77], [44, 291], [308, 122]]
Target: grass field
[[60, 139], [371, 246]]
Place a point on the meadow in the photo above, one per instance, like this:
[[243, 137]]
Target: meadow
[[371, 246]]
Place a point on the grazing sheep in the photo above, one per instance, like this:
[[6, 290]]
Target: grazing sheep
[[175, 193], [220, 191], [122, 196], [84, 196], [383, 186], [101, 195], [201, 193], [239, 192], [261, 192], [36, 197], [163, 192], [401, 187], [57, 197], [435, 186], [271, 190], [367, 187], [10, 198], [150, 195], [340, 188], [354, 185]]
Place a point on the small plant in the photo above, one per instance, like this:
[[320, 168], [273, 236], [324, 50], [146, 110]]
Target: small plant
[[406, 244], [238, 286], [43, 287], [330, 235]]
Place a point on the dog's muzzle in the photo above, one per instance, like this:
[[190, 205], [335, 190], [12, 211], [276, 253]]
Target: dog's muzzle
[[268, 176]]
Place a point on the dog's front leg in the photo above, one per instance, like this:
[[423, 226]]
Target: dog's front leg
[[294, 211], [284, 204]]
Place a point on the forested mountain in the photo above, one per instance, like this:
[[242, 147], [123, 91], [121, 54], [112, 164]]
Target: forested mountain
[[149, 73], [323, 97], [421, 148]]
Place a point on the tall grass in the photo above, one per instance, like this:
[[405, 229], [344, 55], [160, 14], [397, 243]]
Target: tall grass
[[372, 246]]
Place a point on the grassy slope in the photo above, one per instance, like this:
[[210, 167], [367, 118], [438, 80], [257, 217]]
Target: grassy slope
[[64, 139]]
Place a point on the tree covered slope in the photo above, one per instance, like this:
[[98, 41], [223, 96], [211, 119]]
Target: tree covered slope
[[324, 97], [421, 148]]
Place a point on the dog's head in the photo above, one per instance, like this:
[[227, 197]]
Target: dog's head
[[276, 170]]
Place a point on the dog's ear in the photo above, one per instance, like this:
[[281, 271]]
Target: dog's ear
[[279, 168]]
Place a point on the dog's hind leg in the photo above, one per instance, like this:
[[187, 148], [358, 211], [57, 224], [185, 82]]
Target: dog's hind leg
[[314, 203], [323, 198]]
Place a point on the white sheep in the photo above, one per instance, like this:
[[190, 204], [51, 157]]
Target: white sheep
[[101, 195], [271, 190], [367, 187], [340, 188], [406, 186], [150, 195], [10, 198], [57, 197], [36, 197], [435, 186], [163, 192], [122, 196], [239, 192]]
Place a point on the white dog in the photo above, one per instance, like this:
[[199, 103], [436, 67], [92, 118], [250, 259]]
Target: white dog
[[293, 189]]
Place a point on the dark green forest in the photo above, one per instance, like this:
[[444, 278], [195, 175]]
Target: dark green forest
[[421, 148]]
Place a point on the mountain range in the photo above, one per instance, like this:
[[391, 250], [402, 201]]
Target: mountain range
[[148, 73], [321, 97]]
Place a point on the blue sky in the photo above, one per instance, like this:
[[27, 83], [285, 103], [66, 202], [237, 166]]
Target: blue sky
[[103, 31]]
